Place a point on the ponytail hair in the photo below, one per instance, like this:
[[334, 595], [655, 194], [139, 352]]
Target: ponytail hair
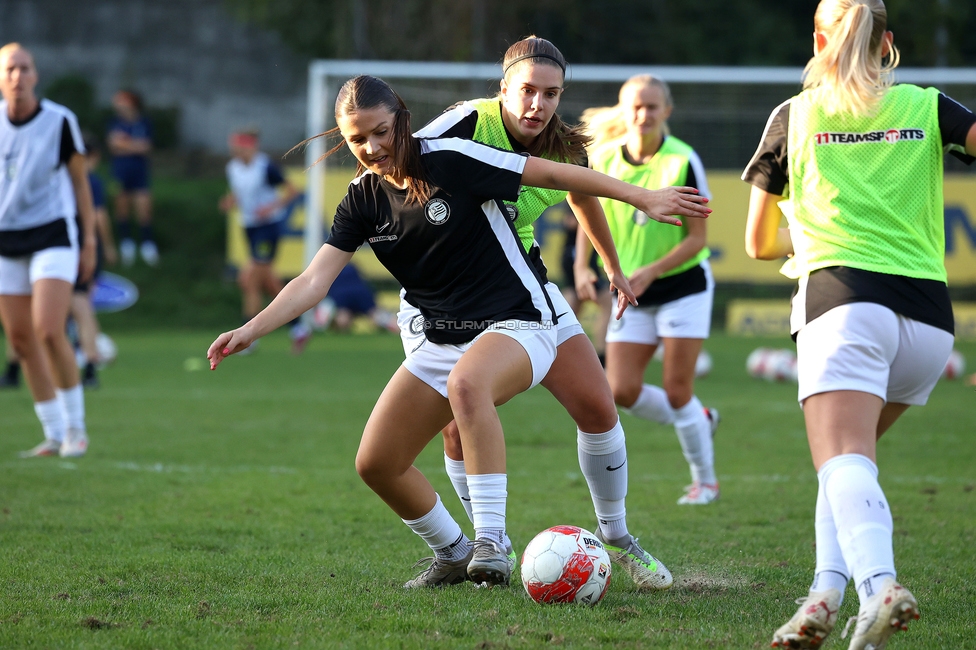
[[558, 140], [849, 71], [608, 124], [364, 93]]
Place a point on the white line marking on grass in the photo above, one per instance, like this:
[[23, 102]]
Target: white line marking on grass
[[158, 468]]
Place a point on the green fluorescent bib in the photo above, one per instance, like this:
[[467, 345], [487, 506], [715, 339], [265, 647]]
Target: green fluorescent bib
[[532, 201], [866, 192], [640, 240]]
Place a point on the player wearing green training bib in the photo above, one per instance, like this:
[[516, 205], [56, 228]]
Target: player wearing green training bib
[[855, 164], [522, 118], [667, 268]]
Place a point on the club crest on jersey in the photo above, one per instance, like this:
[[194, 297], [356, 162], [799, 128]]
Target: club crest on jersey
[[641, 218], [418, 324], [437, 211], [513, 211]]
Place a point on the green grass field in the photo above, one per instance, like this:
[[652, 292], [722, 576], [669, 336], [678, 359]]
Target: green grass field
[[222, 510]]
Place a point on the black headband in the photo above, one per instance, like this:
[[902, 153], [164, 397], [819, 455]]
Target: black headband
[[561, 65]]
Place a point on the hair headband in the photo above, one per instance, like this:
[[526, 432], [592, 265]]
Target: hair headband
[[562, 66]]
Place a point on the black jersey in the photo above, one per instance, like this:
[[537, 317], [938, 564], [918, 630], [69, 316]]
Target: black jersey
[[926, 301], [457, 255]]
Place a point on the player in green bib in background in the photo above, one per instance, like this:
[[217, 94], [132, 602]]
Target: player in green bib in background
[[668, 270], [523, 118], [855, 164]]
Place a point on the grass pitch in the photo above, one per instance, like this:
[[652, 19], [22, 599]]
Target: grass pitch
[[222, 510]]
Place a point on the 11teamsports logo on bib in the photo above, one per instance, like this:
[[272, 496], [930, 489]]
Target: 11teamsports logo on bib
[[891, 136], [437, 211]]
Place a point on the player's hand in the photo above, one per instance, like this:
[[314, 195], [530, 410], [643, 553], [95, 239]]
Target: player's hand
[[226, 203], [227, 344], [87, 260], [266, 211], [585, 280], [643, 278], [661, 205], [625, 292]]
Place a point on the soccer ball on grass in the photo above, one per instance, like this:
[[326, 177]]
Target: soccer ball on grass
[[566, 564]]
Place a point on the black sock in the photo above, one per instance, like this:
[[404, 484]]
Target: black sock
[[13, 371]]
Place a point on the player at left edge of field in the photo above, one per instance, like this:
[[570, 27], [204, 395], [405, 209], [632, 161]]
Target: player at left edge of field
[[40, 255]]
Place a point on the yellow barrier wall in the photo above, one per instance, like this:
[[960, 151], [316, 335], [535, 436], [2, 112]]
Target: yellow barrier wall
[[726, 229]]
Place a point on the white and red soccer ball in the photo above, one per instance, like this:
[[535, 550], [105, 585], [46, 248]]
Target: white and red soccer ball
[[566, 564], [771, 364], [955, 366]]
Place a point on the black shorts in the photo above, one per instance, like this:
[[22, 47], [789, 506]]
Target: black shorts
[[263, 241]]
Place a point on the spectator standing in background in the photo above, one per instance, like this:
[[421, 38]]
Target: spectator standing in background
[[130, 142]]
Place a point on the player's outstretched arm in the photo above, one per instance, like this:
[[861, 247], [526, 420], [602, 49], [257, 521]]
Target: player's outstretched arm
[[659, 205], [298, 296], [765, 240]]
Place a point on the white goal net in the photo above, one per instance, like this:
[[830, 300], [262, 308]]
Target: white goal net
[[720, 111]]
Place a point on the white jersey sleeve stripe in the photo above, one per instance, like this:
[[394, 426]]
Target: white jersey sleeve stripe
[[762, 140], [520, 264], [506, 160], [445, 121], [700, 179]]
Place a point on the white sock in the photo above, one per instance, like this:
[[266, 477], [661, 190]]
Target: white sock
[[72, 401], [455, 472], [603, 460], [488, 495], [831, 571], [863, 519], [441, 532], [52, 419], [695, 435], [652, 404]]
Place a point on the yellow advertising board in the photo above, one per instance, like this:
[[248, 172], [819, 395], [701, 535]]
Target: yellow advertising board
[[726, 230], [772, 318]]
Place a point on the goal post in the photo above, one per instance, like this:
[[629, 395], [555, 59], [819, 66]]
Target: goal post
[[720, 110]]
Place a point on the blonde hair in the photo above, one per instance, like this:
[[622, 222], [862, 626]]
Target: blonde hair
[[849, 71], [607, 124], [10, 48]]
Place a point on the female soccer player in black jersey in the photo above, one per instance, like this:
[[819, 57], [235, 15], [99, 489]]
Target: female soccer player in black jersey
[[523, 118], [430, 211]]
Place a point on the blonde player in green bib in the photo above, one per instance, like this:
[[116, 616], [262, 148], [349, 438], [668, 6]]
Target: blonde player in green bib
[[859, 162], [522, 118], [668, 270]]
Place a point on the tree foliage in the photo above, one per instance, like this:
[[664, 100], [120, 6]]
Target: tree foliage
[[703, 32]]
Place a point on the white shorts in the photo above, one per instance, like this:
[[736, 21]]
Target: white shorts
[[18, 274], [432, 363], [685, 318], [866, 347], [411, 321]]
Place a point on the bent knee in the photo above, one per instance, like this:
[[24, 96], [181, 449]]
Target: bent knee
[[372, 469], [625, 395], [465, 392], [679, 396]]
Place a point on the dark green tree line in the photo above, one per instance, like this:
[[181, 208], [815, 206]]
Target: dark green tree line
[[662, 32]]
